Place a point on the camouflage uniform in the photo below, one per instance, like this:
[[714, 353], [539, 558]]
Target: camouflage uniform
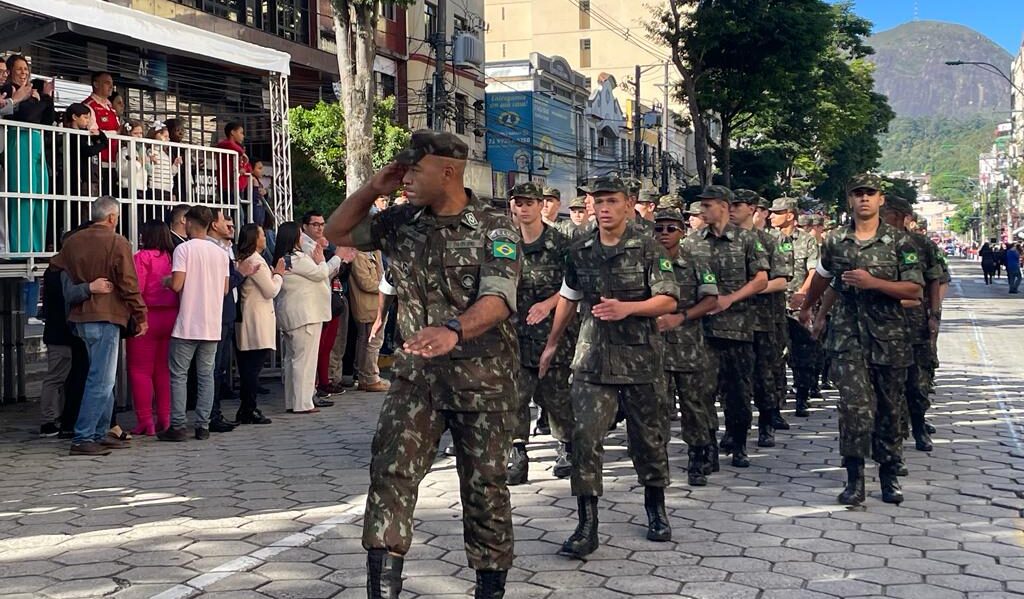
[[617, 359], [868, 340], [686, 354], [735, 259], [443, 264], [920, 378], [804, 350]]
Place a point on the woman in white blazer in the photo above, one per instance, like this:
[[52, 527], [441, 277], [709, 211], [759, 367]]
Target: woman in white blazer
[[302, 309], [256, 331]]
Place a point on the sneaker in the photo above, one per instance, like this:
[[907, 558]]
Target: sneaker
[[202, 434], [221, 426], [324, 392], [89, 448], [112, 443], [49, 430], [335, 388], [322, 403], [32, 320], [377, 387], [173, 434], [66, 435]]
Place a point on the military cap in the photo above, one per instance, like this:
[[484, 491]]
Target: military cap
[[578, 202], [804, 220], [672, 213], [864, 181], [784, 205], [552, 192], [763, 202], [694, 209], [744, 196], [898, 204], [922, 223], [609, 184], [717, 192], [529, 190], [670, 200], [438, 143], [584, 189], [633, 185], [649, 196], [817, 220]]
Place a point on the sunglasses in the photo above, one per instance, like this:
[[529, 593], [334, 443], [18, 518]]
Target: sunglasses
[[667, 228]]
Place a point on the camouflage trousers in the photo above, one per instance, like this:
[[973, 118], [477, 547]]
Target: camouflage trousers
[[693, 390], [781, 353], [732, 361], [919, 386], [403, 449], [647, 431], [765, 351], [870, 409], [804, 355], [551, 393]]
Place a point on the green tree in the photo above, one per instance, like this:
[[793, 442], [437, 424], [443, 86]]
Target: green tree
[[319, 150]]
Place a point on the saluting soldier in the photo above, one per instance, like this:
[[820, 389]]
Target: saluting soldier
[[872, 267], [741, 268], [622, 281], [544, 251], [685, 356], [767, 352], [457, 264], [800, 249]]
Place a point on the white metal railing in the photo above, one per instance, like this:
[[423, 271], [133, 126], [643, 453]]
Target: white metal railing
[[49, 177]]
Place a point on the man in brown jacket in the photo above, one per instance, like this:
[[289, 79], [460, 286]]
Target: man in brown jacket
[[93, 253], [364, 281]]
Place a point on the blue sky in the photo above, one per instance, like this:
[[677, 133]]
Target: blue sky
[[1000, 20]]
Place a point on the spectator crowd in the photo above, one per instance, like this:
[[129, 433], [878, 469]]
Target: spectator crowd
[[198, 303]]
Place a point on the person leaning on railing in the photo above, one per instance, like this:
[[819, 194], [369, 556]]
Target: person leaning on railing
[[82, 150], [164, 168], [24, 162], [134, 173]]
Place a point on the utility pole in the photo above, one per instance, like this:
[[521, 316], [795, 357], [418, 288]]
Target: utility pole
[[636, 125], [438, 99], [664, 136]]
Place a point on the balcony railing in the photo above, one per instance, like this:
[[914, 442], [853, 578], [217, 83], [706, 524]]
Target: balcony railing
[[49, 177]]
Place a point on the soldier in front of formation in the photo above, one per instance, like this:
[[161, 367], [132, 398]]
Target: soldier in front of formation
[[544, 250], [622, 281], [871, 267], [685, 355], [456, 264]]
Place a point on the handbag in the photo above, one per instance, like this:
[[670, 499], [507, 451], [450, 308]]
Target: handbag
[[339, 304]]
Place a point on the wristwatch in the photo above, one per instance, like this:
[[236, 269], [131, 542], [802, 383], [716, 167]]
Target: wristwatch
[[455, 326]]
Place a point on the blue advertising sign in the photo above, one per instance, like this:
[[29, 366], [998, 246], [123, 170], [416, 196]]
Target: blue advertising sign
[[555, 139], [510, 131]]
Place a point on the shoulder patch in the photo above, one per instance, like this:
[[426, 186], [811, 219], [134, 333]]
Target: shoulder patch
[[759, 245], [504, 249], [506, 234], [708, 278], [785, 247], [665, 264], [910, 258]]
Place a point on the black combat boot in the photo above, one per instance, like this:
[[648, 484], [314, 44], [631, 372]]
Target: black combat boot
[[695, 470], [814, 392], [518, 468], [542, 427], [901, 467], [928, 427], [922, 440], [891, 491], [383, 575], [727, 443], [563, 461], [490, 584], [765, 432], [711, 464], [739, 452], [658, 528], [853, 494], [802, 403], [778, 422], [583, 541]]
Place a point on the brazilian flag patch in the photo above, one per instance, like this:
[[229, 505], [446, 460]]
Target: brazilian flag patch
[[665, 264], [504, 249], [709, 278], [910, 257], [786, 247], [759, 247]]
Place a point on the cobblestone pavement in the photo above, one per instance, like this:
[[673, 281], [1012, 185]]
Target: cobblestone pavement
[[275, 511]]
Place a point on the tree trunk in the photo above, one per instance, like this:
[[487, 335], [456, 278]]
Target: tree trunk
[[354, 29], [726, 149], [700, 132]]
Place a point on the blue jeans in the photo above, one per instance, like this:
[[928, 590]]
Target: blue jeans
[[102, 340], [1013, 278], [181, 353], [30, 298]]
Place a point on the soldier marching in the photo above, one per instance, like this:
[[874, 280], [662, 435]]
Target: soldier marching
[[640, 304]]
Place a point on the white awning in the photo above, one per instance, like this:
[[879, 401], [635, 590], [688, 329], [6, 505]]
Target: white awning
[[152, 31]]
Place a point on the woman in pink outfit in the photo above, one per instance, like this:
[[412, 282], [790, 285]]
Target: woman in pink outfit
[[148, 371]]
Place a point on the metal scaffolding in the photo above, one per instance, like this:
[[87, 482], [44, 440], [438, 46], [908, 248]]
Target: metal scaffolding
[[281, 147]]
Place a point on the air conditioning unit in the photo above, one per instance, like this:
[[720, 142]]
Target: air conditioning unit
[[468, 51]]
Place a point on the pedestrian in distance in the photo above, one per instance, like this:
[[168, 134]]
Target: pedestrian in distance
[[457, 265], [1013, 267]]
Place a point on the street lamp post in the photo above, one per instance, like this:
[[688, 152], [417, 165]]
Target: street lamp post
[[985, 66]]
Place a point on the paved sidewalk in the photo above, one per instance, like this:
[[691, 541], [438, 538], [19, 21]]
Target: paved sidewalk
[[274, 511]]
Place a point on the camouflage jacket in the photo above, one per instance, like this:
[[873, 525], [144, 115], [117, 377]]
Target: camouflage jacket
[[684, 346], [543, 273], [621, 352], [441, 266], [867, 325], [800, 250], [564, 226], [933, 267], [735, 259], [767, 307]]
